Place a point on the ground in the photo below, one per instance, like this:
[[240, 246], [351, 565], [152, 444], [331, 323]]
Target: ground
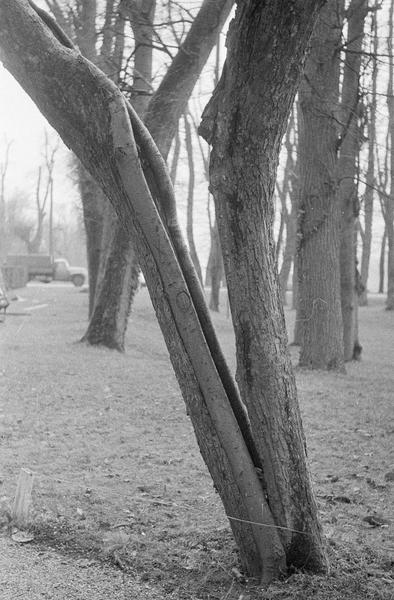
[[123, 506]]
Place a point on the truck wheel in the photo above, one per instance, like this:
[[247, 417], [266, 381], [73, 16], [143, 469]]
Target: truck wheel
[[78, 280]]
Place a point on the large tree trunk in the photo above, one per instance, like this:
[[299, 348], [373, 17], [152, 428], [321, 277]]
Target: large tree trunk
[[319, 317], [347, 170], [91, 115], [245, 122]]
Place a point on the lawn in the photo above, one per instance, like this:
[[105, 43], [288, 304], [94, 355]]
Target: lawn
[[119, 478]]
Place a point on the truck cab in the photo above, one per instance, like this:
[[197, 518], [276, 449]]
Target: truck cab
[[64, 272]]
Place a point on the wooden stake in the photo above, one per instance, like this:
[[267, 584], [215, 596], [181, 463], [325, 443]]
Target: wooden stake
[[22, 501]]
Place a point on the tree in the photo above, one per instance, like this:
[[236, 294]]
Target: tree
[[319, 310], [389, 201], [381, 262], [3, 217], [244, 122], [347, 172], [273, 516], [215, 267], [190, 197], [118, 269], [370, 175], [32, 233], [289, 189]]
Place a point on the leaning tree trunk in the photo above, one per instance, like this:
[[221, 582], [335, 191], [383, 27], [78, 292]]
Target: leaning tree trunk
[[347, 170], [91, 116], [245, 122], [319, 310]]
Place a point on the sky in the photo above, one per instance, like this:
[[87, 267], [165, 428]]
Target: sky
[[22, 124]]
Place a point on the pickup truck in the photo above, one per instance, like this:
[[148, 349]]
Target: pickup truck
[[44, 268]]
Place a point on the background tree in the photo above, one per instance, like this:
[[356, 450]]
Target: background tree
[[3, 215], [32, 232], [347, 171], [190, 197], [389, 201], [288, 193], [93, 118], [215, 266], [319, 311], [371, 108]]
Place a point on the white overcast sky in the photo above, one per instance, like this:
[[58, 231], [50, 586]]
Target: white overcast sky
[[22, 124]]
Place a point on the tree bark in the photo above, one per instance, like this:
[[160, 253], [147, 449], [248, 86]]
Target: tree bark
[[319, 317], [91, 116], [245, 122], [347, 170]]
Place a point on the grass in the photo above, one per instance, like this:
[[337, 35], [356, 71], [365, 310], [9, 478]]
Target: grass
[[119, 477]]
